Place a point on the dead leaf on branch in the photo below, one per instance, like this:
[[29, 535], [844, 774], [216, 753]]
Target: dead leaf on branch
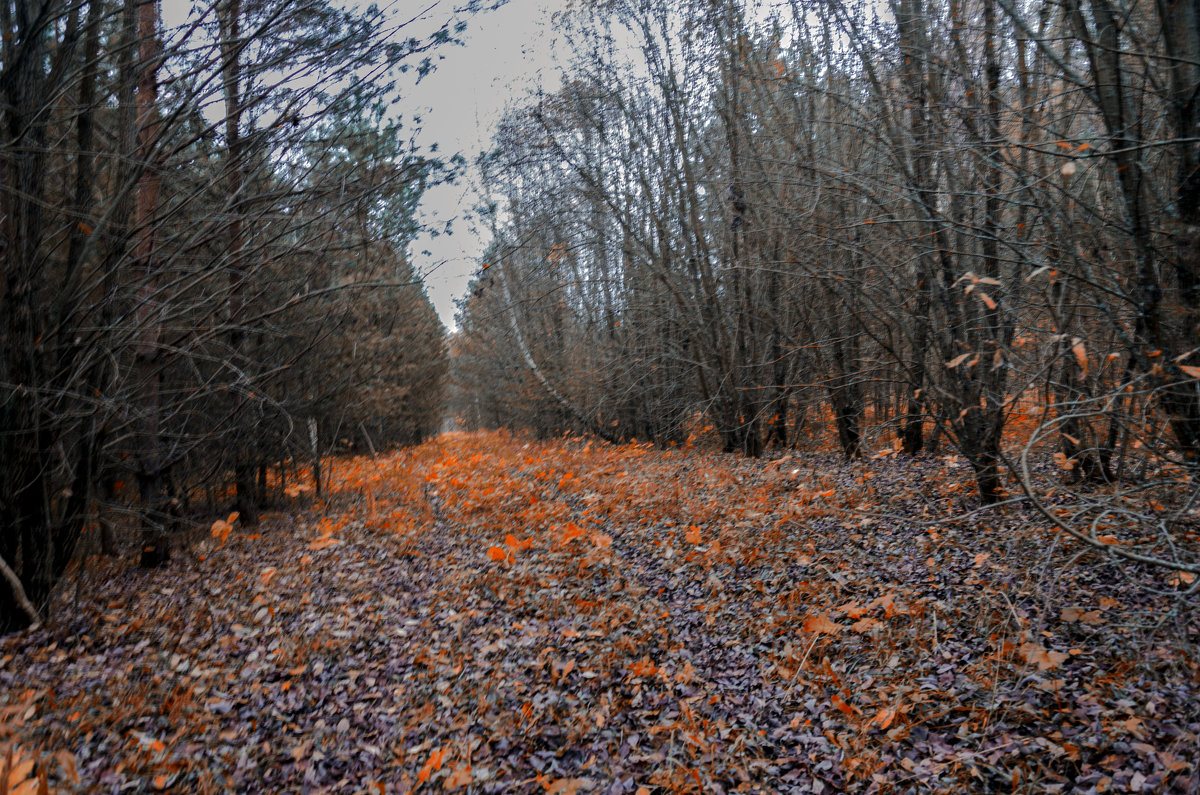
[[223, 527], [1081, 358], [957, 360]]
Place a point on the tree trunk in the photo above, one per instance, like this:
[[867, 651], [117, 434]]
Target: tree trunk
[[152, 459]]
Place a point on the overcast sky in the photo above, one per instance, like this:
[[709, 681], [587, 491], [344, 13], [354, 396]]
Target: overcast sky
[[507, 53]]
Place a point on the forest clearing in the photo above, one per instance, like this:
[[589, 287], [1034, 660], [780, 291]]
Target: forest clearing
[[484, 613]]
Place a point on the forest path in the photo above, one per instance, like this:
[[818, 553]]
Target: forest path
[[569, 616]]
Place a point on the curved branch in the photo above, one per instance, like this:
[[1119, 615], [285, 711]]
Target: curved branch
[[18, 590]]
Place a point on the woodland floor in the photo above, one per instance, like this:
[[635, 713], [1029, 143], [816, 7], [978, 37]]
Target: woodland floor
[[490, 615]]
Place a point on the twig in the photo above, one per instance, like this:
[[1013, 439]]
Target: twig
[[19, 592]]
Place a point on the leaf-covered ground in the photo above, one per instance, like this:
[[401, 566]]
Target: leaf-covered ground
[[490, 615]]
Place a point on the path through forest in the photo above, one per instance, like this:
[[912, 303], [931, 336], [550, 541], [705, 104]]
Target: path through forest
[[494, 615]]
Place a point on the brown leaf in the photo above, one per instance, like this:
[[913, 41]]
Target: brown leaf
[[821, 624], [1179, 579], [1044, 659], [459, 777], [1075, 614], [866, 624]]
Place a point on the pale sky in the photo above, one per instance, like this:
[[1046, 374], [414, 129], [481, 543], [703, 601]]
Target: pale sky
[[507, 53]]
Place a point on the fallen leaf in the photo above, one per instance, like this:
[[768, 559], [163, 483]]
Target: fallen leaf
[[433, 763], [884, 717], [866, 624], [1044, 659], [1178, 579], [841, 704], [821, 624], [323, 543], [459, 777], [571, 531]]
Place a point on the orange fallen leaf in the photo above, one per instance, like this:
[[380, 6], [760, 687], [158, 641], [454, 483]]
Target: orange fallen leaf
[[852, 609], [433, 763], [842, 705], [884, 717], [643, 667], [19, 771], [571, 531], [323, 543], [497, 553]]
